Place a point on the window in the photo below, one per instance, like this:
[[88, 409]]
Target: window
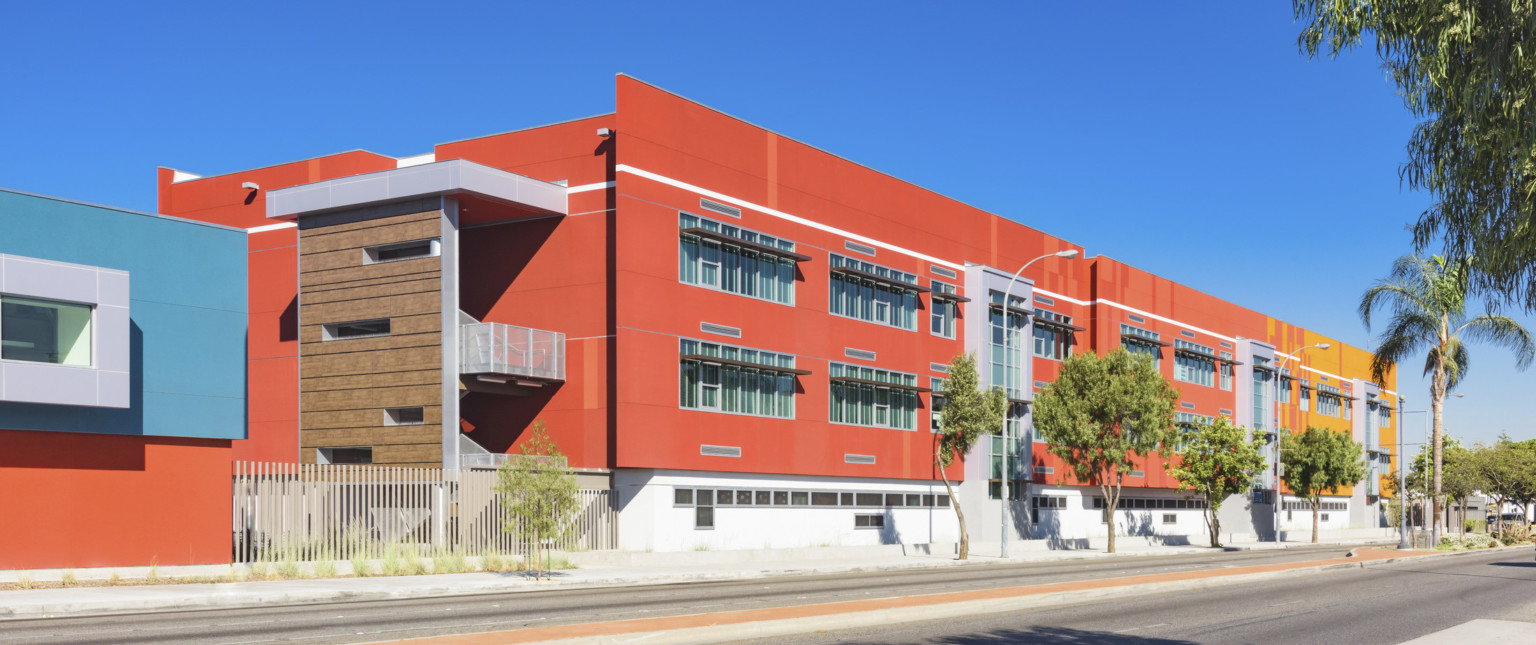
[[1194, 363], [873, 293], [944, 309], [355, 329], [1170, 518], [866, 396], [869, 521], [1329, 403], [754, 265], [1260, 393], [682, 497], [739, 380], [936, 403], [1015, 468], [1053, 335], [703, 511], [404, 416], [1285, 387], [1140, 341], [1008, 321], [402, 251], [1305, 398], [45, 331], [1226, 371], [356, 455]]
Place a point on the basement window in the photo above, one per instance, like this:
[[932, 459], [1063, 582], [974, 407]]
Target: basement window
[[355, 455], [355, 329], [405, 416], [869, 521], [402, 251]]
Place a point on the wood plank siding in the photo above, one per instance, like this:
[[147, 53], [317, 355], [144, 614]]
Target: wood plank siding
[[346, 385]]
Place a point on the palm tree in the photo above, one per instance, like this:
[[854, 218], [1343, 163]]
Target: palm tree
[[1428, 302]]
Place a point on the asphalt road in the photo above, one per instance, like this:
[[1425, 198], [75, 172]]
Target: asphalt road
[[372, 621], [1387, 604]]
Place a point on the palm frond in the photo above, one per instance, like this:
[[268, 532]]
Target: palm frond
[[1457, 362], [1503, 331]]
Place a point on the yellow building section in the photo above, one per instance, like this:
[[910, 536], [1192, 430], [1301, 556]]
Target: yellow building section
[[1298, 352]]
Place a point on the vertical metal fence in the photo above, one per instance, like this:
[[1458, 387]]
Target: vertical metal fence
[[309, 512]]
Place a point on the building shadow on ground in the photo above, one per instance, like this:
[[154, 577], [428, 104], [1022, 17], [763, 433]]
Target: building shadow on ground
[[1054, 636]]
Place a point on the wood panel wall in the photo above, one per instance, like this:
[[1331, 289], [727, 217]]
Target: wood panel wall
[[345, 385]]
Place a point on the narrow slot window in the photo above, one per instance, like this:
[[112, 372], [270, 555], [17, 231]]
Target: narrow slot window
[[402, 251], [355, 329], [414, 416]]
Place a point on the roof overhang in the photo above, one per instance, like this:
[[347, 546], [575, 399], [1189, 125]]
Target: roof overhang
[[510, 195]]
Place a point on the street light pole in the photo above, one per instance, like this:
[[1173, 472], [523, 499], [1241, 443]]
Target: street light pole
[[1008, 333], [1276, 427]]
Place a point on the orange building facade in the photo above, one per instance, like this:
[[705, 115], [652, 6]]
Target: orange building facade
[[752, 333]]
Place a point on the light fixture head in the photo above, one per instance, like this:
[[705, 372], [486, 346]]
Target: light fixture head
[[250, 185], [604, 132], [1323, 345], [1069, 253]]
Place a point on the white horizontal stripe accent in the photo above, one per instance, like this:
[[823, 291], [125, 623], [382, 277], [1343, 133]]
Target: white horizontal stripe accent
[[1170, 321], [783, 215], [270, 227], [1148, 314], [588, 187]]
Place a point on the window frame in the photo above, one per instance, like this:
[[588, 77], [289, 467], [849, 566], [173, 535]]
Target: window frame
[[92, 328]]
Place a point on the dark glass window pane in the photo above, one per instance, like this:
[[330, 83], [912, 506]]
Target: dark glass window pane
[[871, 499], [704, 517], [847, 499], [743, 497], [705, 498], [723, 497], [894, 499], [764, 498], [800, 498], [914, 500], [824, 499], [780, 498], [682, 496]]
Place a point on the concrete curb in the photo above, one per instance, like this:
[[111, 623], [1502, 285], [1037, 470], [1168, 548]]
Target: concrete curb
[[883, 617], [100, 601]]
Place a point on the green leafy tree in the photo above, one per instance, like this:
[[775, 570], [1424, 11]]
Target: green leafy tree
[[1508, 470], [1215, 461], [1462, 70], [1427, 299], [968, 413], [1317, 461], [538, 491], [1104, 415]]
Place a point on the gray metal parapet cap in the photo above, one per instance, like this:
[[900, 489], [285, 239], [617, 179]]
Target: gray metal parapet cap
[[452, 177]]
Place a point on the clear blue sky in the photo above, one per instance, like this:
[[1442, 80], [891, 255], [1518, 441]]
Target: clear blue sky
[[1189, 139]]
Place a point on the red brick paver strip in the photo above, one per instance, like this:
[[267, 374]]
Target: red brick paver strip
[[670, 623]]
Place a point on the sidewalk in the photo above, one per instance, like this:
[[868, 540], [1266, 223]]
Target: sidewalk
[[82, 601]]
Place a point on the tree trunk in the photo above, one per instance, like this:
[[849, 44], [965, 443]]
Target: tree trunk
[[1436, 403], [1111, 500], [1315, 512], [954, 502], [1214, 524]]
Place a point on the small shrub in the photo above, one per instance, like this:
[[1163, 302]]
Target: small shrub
[[393, 562], [492, 561], [325, 569], [154, 573], [289, 567], [25, 583], [68, 579], [701, 547], [113, 579], [450, 561], [360, 564], [261, 571]]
